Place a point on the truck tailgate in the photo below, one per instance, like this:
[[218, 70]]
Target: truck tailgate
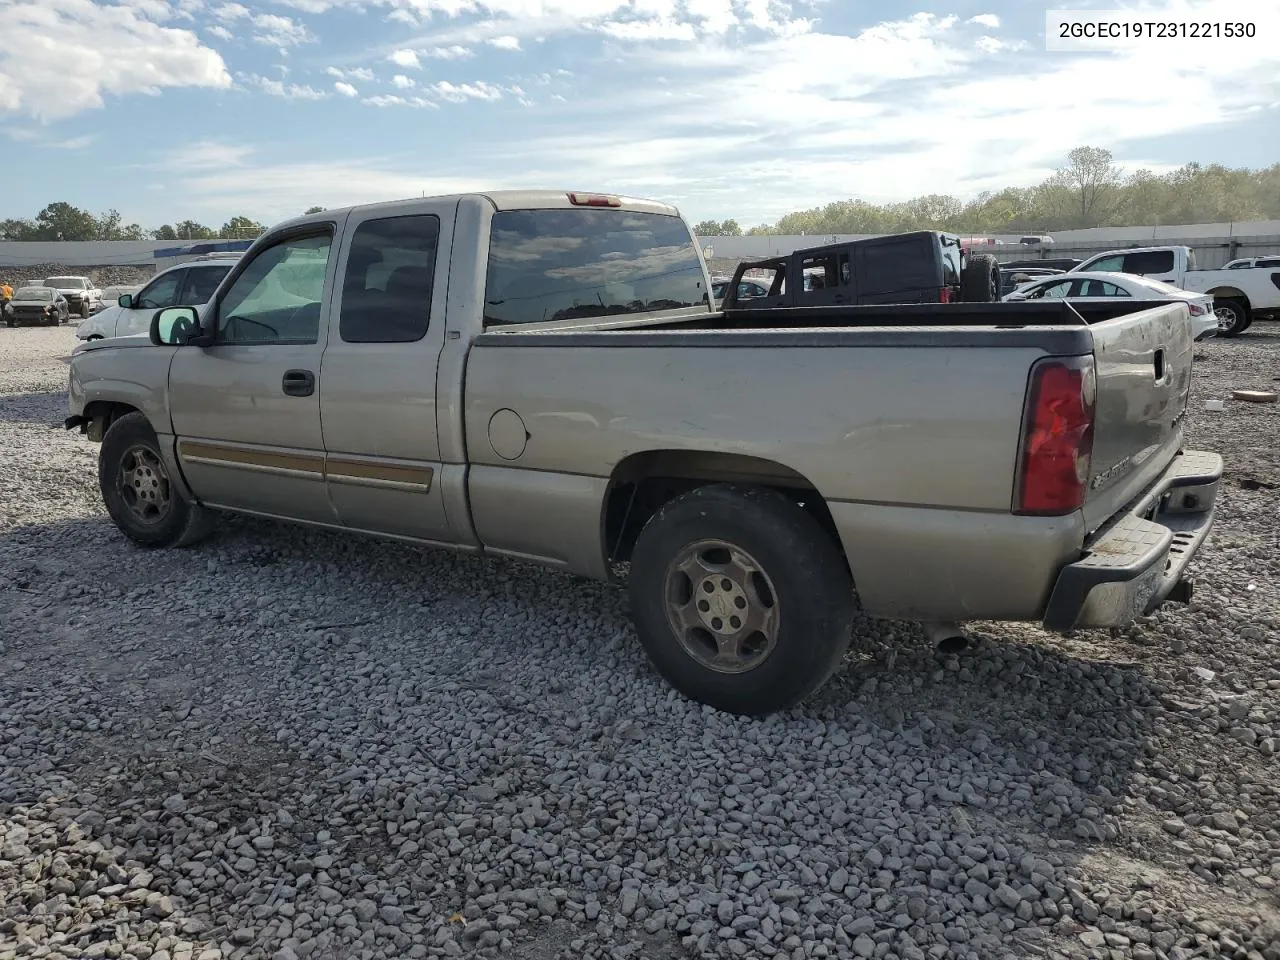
[[1143, 370]]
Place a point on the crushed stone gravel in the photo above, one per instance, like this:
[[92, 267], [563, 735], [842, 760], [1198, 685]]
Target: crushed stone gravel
[[288, 744]]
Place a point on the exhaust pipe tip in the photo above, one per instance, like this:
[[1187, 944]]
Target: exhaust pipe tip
[[947, 637]]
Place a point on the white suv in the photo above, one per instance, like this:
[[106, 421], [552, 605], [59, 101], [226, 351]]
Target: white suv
[[188, 284]]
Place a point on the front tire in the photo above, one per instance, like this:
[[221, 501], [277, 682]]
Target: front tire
[[85, 310], [740, 598], [138, 492], [980, 279], [1233, 317]]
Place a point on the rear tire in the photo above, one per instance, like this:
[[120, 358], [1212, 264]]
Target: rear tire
[[1233, 316], [725, 551], [980, 279], [138, 493], [85, 310]]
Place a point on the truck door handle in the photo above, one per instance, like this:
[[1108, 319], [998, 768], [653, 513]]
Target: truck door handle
[[299, 383]]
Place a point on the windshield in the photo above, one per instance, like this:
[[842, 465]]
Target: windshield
[[34, 293], [562, 264], [67, 283]]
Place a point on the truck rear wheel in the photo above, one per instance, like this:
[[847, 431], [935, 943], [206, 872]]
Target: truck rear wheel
[[740, 598], [138, 493], [85, 310], [1233, 317], [980, 279]]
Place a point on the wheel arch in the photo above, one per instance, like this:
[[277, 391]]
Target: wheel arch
[[641, 483], [1230, 293]]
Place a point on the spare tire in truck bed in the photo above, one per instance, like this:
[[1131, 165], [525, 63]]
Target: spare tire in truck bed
[[980, 279]]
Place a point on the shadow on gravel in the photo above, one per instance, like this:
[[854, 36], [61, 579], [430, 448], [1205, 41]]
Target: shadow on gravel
[[41, 409], [141, 680]]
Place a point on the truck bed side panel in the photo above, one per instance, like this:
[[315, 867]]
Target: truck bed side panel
[[926, 425], [912, 448]]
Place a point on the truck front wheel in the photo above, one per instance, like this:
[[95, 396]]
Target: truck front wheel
[[740, 598], [138, 492]]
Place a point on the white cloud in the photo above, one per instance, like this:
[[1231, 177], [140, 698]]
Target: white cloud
[[405, 58], [460, 93], [985, 20], [117, 51], [277, 31], [276, 191], [649, 29], [278, 88], [361, 73], [219, 31], [346, 89], [454, 52], [505, 42], [401, 81]]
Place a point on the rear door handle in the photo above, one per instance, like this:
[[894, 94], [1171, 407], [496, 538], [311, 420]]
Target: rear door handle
[[299, 383]]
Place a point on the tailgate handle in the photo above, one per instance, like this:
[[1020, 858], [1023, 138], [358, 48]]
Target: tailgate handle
[[1159, 365]]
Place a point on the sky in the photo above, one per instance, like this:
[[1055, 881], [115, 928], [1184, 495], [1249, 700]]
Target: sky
[[746, 109]]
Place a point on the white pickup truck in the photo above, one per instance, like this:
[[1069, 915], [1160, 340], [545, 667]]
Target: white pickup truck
[[83, 295], [1239, 294]]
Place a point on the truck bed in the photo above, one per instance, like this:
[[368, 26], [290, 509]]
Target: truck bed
[[905, 419]]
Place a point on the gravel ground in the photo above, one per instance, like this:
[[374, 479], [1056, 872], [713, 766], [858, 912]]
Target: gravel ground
[[109, 276], [285, 743]]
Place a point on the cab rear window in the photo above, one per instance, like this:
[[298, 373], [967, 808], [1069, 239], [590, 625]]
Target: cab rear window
[[565, 264]]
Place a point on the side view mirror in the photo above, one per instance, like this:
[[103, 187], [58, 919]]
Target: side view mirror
[[174, 326], [125, 300]]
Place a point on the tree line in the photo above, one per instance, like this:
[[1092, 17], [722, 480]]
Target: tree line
[[1090, 190], [62, 221]]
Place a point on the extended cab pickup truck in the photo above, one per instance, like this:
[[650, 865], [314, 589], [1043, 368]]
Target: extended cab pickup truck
[[1239, 295], [541, 375]]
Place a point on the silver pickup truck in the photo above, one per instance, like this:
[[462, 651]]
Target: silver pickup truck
[[543, 375]]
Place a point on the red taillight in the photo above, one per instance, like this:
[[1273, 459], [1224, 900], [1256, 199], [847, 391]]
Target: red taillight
[[946, 295], [593, 200], [1057, 439], [1197, 310]]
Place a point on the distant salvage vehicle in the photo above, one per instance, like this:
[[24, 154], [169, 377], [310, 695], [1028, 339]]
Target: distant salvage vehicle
[[188, 284], [748, 287], [82, 296], [1239, 295], [543, 375], [37, 305], [1104, 287], [925, 266]]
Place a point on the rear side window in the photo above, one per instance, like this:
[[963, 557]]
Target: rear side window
[[1151, 261], [386, 292], [565, 264], [201, 284]]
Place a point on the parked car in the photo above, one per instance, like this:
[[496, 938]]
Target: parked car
[[1103, 286], [748, 287], [1239, 296], [37, 305], [188, 284], [924, 266], [81, 295], [543, 375], [1036, 241], [1013, 277]]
